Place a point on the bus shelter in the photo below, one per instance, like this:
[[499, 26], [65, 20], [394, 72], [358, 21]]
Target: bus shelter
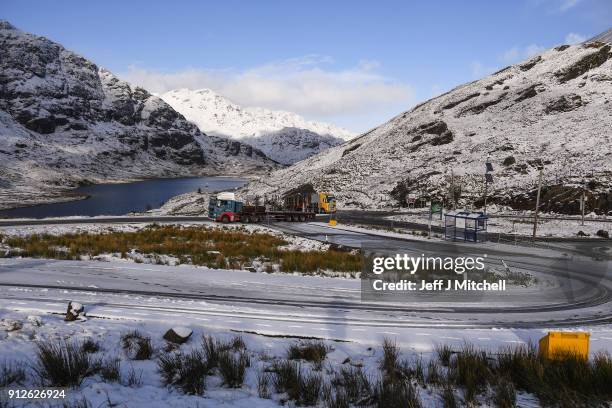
[[465, 226]]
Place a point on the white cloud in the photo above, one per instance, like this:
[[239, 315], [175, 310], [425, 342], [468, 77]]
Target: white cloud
[[573, 38], [516, 53], [306, 85], [568, 4], [553, 7]]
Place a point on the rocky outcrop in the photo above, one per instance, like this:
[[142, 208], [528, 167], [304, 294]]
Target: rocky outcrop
[[561, 199], [530, 64], [438, 128], [564, 103], [459, 101], [480, 107], [586, 63], [528, 92], [351, 148], [509, 161]]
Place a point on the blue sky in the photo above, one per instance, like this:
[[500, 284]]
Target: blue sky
[[352, 63]]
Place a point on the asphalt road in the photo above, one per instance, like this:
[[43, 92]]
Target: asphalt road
[[525, 217], [378, 218], [362, 217]]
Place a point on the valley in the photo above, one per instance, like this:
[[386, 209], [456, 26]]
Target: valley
[[202, 235]]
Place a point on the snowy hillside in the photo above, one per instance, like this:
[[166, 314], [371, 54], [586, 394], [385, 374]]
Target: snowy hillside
[[64, 121], [553, 110], [284, 136]]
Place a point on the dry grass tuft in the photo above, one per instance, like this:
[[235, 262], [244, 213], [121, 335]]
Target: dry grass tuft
[[313, 351], [136, 345], [62, 363]]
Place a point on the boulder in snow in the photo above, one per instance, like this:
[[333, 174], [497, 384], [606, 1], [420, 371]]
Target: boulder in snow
[[75, 309], [178, 335], [10, 325]]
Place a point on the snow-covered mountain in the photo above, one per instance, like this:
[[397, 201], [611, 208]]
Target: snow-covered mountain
[[290, 145], [554, 110], [284, 136], [64, 121]]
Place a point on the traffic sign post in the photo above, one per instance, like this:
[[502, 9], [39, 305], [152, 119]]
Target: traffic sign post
[[433, 209]]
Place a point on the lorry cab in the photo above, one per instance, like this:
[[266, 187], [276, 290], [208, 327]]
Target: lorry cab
[[306, 199], [327, 203], [224, 207]]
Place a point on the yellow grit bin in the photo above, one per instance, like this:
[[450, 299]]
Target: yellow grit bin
[[557, 344]]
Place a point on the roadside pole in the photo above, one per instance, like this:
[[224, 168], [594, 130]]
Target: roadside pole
[[453, 189], [535, 217], [488, 179], [430, 217], [582, 204], [485, 194]]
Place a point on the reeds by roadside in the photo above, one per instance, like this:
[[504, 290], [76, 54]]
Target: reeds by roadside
[[203, 246]]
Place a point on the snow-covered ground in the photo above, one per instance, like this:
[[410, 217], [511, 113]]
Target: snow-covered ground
[[60, 229], [20, 346], [39, 312], [271, 311]]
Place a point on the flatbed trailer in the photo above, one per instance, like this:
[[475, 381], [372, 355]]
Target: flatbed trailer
[[261, 214], [226, 209]]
